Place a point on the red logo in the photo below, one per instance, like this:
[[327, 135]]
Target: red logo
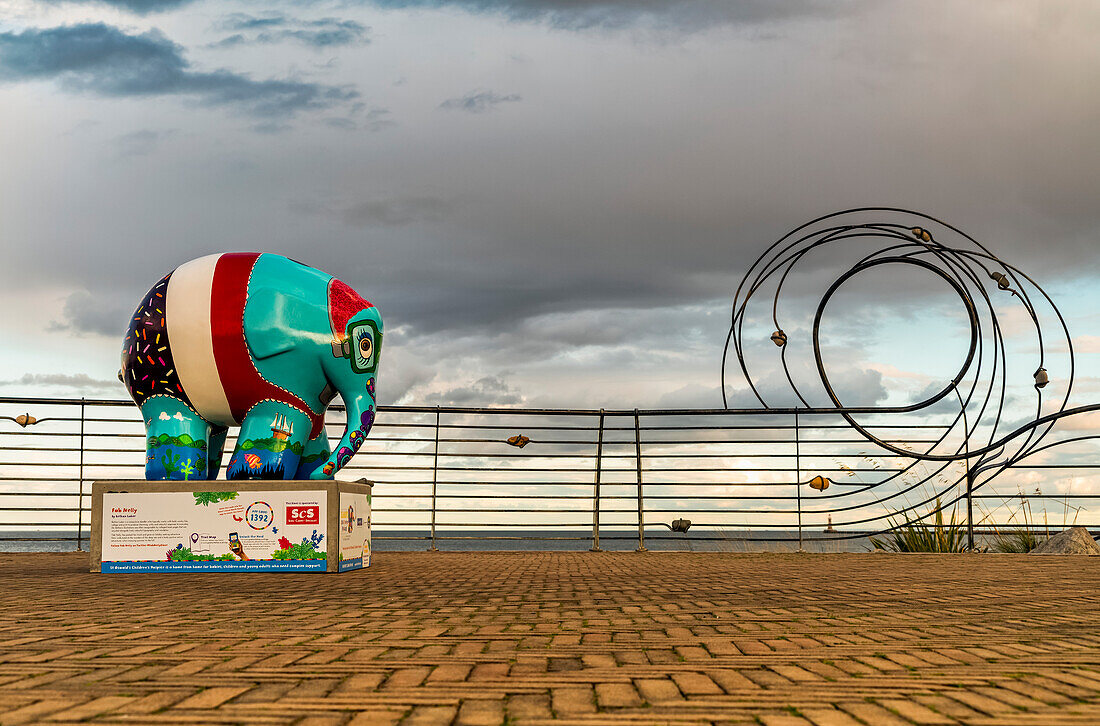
[[302, 515]]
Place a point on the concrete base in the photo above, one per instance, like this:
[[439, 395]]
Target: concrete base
[[230, 526]]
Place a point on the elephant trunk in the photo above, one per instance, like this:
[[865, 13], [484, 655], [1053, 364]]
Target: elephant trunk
[[360, 410]]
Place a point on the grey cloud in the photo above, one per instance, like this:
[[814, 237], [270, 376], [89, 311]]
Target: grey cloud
[[378, 119], [375, 120], [487, 391], [138, 7], [395, 212], [87, 314], [319, 33], [680, 14], [581, 14], [141, 143], [271, 127], [479, 101], [382, 212], [80, 381], [855, 386], [104, 60], [242, 21]]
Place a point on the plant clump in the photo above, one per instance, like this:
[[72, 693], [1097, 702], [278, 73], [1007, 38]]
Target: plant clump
[[304, 550], [208, 498], [916, 535], [184, 554]]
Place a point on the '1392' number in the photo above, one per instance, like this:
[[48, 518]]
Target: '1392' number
[[258, 515]]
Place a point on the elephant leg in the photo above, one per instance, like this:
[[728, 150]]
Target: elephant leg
[[215, 449], [272, 438], [176, 440], [315, 454]]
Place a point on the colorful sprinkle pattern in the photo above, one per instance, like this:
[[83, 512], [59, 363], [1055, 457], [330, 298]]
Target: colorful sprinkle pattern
[[147, 366]]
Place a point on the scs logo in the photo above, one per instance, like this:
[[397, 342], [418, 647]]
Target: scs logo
[[302, 515]]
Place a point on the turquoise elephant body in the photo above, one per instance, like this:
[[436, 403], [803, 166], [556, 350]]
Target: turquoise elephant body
[[259, 341]]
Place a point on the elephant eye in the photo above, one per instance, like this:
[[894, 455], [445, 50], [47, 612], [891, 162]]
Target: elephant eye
[[365, 347]]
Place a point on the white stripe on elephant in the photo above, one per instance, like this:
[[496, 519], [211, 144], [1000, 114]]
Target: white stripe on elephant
[[188, 319]]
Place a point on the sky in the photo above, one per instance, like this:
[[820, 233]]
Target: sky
[[550, 201]]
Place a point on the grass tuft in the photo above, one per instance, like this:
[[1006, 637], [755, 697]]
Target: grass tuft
[[915, 535]]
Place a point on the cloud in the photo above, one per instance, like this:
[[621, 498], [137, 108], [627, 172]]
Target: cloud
[[854, 385], [138, 7], [270, 29], [141, 143], [479, 101], [87, 314], [103, 60], [395, 212], [1086, 344], [381, 212], [678, 14], [64, 380], [576, 14], [487, 391]]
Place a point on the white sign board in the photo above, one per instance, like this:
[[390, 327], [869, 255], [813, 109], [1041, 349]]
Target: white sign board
[[207, 531], [354, 525]]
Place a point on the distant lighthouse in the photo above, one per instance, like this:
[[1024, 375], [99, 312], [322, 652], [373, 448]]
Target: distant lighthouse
[[281, 429]]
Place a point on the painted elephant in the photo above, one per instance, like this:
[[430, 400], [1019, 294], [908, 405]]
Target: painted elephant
[[259, 341]]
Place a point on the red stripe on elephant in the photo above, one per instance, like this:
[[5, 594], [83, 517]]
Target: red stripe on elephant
[[243, 385], [343, 302]]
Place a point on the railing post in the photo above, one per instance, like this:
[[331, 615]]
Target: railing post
[[798, 479], [969, 508], [435, 475], [641, 505], [80, 496], [596, 489]]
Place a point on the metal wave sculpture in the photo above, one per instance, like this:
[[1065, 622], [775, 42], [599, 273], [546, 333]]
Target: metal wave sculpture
[[979, 435]]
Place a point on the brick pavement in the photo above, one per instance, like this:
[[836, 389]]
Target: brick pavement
[[575, 638]]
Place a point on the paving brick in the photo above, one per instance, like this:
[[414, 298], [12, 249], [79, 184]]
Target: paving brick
[[377, 717], [572, 701], [34, 712], [212, 697], [915, 712], [655, 690], [449, 672], [828, 717], [872, 714], [781, 719], [91, 709], [430, 716], [695, 684], [617, 695], [480, 712], [528, 706]]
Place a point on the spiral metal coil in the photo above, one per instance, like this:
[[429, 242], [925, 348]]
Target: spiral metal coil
[[978, 434]]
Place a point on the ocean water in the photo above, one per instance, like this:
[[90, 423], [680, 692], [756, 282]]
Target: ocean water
[[617, 540]]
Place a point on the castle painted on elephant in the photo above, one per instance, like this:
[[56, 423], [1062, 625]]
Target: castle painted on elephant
[[257, 341]]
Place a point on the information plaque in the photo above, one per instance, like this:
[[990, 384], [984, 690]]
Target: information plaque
[[227, 526]]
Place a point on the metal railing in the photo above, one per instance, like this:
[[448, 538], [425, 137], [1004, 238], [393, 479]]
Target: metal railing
[[587, 477]]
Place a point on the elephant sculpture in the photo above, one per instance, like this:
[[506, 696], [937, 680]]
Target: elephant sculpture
[[257, 341]]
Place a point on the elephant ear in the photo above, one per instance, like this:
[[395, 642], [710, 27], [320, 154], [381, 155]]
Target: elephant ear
[[275, 322]]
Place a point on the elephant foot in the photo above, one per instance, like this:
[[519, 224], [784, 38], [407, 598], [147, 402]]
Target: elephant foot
[[271, 442], [176, 442], [314, 456]]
